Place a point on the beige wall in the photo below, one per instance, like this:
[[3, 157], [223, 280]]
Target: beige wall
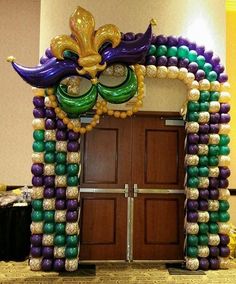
[[19, 34]]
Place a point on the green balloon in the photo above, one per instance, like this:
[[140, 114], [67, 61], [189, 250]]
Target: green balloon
[[224, 216], [193, 106], [72, 180], [152, 49], [214, 216], [207, 67], [213, 150], [71, 252], [204, 96], [213, 161], [37, 216], [203, 171], [214, 96], [224, 150], [192, 56], [161, 50], [38, 135], [203, 161], [38, 146], [203, 240], [37, 204], [203, 228], [72, 241], [224, 205], [59, 240], [60, 169], [49, 158], [72, 169], [76, 105], [48, 228], [49, 216], [212, 76], [201, 61], [204, 106], [192, 251], [60, 228], [193, 182], [121, 93], [50, 146], [61, 157], [213, 228], [193, 116], [192, 240], [192, 171], [182, 51], [171, 51], [224, 140]]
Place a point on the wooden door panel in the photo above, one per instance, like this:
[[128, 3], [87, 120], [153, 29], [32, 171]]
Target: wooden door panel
[[158, 156], [103, 226], [158, 227]]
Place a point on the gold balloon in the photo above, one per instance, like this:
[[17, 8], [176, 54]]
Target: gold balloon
[[49, 203], [193, 95], [224, 228], [61, 146], [35, 263], [38, 123], [224, 86], [203, 182], [59, 252], [173, 72], [204, 117], [224, 161], [73, 157], [162, 72], [214, 107], [191, 160], [192, 228], [72, 192], [224, 194], [192, 127], [194, 85], [224, 128], [72, 228], [192, 263], [37, 157], [214, 139], [38, 92], [47, 102], [203, 216], [224, 97], [204, 85], [60, 216], [224, 262], [71, 264], [37, 192], [50, 135], [182, 73], [142, 68], [203, 251], [214, 239], [215, 86], [109, 71], [49, 169], [119, 70], [192, 193], [48, 239], [213, 171], [202, 149], [151, 71], [36, 227], [189, 78], [60, 181], [213, 205]]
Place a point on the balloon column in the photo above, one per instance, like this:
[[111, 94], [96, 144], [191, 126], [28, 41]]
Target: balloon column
[[56, 150]]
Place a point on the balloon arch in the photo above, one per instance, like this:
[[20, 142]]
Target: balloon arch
[[56, 150]]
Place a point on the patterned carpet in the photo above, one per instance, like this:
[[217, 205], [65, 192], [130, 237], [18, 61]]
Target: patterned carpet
[[19, 273]]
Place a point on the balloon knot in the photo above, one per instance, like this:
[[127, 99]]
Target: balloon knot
[[10, 58], [153, 22]]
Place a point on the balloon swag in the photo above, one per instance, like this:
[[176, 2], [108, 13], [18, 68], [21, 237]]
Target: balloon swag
[[58, 106]]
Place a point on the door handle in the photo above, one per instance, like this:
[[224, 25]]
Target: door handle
[[126, 190], [135, 190]]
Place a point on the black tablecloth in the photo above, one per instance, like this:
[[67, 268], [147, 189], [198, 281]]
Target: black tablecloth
[[15, 232]]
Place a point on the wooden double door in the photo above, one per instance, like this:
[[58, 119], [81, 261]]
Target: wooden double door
[[132, 190]]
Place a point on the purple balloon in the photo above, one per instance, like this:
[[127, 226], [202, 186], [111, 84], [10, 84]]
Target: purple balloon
[[213, 182], [192, 149], [203, 263], [50, 123], [203, 138], [129, 36], [183, 41], [49, 192], [61, 135], [73, 136], [43, 59], [214, 118], [200, 75], [192, 138], [39, 112], [73, 146], [214, 128], [153, 40], [72, 204], [214, 263], [162, 61], [204, 128], [161, 40], [203, 205], [60, 192], [193, 67], [192, 216], [71, 216], [35, 251], [223, 183], [49, 181], [208, 55], [192, 204], [138, 35], [183, 63], [215, 60], [172, 61], [224, 240], [59, 264], [200, 49], [36, 240], [47, 264], [224, 172], [223, 78], [172, 41], [150, 60], [37, 181], [224, 118], [61, 125], [214, 194], [224, 251], [203, 193], [50, 113], [219, 68], [37, 169], [48, 53], [60, 204], [192, 45], [48, 252], [214, 251], [224, 108], [38, 101]]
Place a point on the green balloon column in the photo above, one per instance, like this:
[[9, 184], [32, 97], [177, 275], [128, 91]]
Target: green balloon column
[[57, 129]]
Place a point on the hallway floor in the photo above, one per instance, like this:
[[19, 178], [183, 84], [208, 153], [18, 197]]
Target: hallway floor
[[136, 273]]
